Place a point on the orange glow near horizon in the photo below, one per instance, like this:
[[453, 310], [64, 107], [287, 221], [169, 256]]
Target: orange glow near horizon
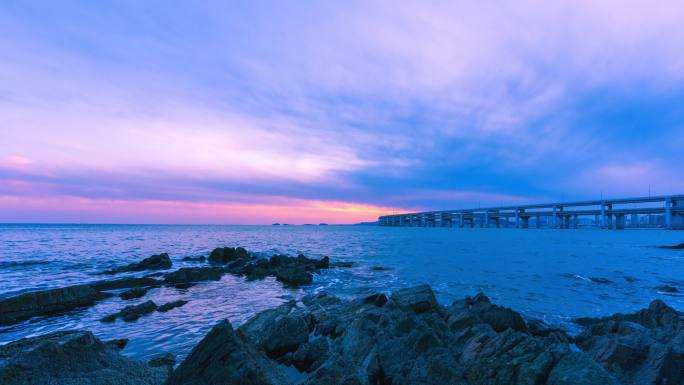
[[285, 210]]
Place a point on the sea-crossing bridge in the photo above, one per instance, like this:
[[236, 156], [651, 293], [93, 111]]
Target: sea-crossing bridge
[[653, 211]]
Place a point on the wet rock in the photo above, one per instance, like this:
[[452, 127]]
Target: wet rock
[[47, 302], [376, 299], [276, 331], [377, 268], [125, 283], [192, 275], [646, 347], [166, 360], [136, 292], [72, 358], [292, 271], [201, 258], [578, 369], [223, 255], [600, 280], [336, 370], [226, 356], [667, 289], [293, 275], [155, 262], [342, 264], [171, 305], [309, 356], [418, 298], [132, 313], [119, 344], [675, 247]]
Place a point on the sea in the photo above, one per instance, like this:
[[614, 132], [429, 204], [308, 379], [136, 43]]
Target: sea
[[550, 274]]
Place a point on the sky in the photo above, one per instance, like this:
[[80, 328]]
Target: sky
[[333, 111]]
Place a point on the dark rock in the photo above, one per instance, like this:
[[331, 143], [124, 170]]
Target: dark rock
[[342, 264], [223, 255], [132, 313], [376, 299], [125, 283], [196, 259], [48, 302], [71, 358], [309, 356], [639, 348], [171, 305], [502, 318], [155, 262], [118, 343], [377, 268], [227, 357], [336, 370], [418, 298], [191, 275], [667, 289], [136, 292], [600, 280], [578, 369], [293, 275], [675, 247], [166, 360]]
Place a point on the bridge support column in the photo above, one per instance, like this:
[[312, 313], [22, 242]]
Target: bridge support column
[[525, 222], [619, 221], [485, 220], [604, 218], [575, 222], [538, 221]]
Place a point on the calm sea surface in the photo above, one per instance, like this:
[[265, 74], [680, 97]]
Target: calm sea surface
[[542, 273]]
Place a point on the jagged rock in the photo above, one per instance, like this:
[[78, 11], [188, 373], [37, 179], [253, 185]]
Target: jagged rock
[[376, 299], [171, 305], [47, 302], [293, 275], [418, 298], [191, 275], [645, 347], [125, 283], [119, 343], [675, 247], [277, 332], [201, 258], [166, 360], [578, 369], [71, 358], [309, 356], [132, 313], [227, 357], [133, 293], [155, 262], [224, 255]]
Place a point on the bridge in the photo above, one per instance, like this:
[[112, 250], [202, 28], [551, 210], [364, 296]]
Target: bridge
[[653, 211]]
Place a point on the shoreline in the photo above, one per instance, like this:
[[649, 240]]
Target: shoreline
[[468, 341], [406, 338]]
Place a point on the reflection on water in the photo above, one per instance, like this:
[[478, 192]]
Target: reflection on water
[[552, 274]]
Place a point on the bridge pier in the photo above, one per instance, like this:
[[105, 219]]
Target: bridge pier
[[525, 222], [619, 221]]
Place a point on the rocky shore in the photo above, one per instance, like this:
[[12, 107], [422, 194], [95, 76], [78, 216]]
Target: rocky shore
[[402, 338]]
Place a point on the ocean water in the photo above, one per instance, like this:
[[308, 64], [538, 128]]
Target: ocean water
[[542, 273]]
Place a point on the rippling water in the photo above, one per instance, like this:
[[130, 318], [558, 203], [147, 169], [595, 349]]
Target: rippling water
[[542, 273]]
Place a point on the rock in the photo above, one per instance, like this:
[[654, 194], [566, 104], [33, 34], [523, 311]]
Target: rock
[[201, 258], [336, 370], [227, 357], [223, 255], [418, 298], [342, 264], [136, 292], [155, 262], [667, 289], [47, 302], [192, 275], [502, 318], [171, 305], [132, 313], [675, 247], [578, 369], [376, 299], [125, 283], [309, 356], [119, 344], [639, 348], [71, 358], [293, 275], [377, 268], [600, 280], [166, 360]]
